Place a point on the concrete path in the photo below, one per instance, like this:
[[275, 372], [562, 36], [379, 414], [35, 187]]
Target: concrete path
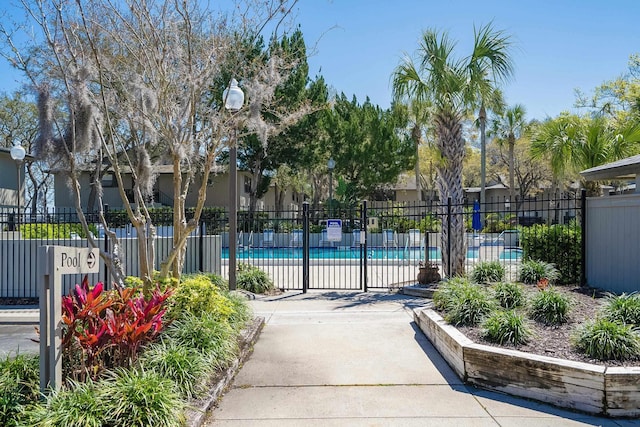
[[354, 359]]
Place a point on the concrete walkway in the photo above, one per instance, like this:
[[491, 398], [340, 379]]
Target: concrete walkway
[[354, 359]]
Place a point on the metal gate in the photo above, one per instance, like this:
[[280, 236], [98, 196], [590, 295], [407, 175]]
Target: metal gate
[[381, 245], [378, 247]]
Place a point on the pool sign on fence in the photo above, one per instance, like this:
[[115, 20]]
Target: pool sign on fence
[[58, 260], [334, 230]]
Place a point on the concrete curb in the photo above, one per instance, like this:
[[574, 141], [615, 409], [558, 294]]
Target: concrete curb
[[419, 291], [17, 314], [198, 412]]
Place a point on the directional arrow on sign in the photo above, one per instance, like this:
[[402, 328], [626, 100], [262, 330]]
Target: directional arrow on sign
[[91, 260]]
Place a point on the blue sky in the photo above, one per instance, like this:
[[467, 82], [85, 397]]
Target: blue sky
[[560, 45]]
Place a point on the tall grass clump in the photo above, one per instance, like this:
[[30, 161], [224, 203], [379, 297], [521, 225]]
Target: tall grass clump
[[464, 303], [241, 312], [509, 295], [506, 327], [446, 292], [604, 339], [550, 307], [208, 335], [188, 368], [19, 386], [532, 271], [252, 279], [78, 404], [488, 272], [138, 397], [623, 308]]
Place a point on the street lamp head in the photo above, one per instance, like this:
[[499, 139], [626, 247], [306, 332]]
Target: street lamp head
[[233, 96], [18, 153], [331, 164]]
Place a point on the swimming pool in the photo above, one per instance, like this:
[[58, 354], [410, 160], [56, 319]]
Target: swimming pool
[[377, 253], [511, 254]]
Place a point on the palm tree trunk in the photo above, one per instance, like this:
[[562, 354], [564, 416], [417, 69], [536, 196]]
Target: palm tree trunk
[[417, 137], [482, 120], [450, 142], [512, 185]]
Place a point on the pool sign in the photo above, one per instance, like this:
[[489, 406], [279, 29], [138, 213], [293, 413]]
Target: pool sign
[[70, 260], [334, 230], [58, 260]]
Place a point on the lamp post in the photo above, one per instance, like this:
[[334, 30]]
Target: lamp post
[[233, 98], [17, 154], [330, 165]]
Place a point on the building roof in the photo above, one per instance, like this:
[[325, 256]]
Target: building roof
[[490, 187], [620, 169]]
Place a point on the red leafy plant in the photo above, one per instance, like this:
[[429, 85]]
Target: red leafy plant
[[106, 329]]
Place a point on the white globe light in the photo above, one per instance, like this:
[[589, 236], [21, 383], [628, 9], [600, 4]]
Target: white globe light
[[17, 153], [233, 96]]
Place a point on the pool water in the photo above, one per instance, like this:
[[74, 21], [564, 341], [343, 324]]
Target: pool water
[[511, 254], [342, 253]]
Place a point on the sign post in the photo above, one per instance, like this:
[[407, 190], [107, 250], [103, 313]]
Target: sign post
[[58, 260]]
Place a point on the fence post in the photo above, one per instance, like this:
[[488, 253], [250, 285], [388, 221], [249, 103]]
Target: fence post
[[201, 244], [363, 248], [305, 247], [106, 247], [448, 237], [583, 242]]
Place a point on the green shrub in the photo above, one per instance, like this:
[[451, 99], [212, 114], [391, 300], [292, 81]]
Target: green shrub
[[623, 308], [207, 334], [77, 405], [532, 271], [197, 295], [19, 386], [498, 222], [488, 272], [551, 307], [556, 244], [603, 339], [139, 397], [133, 282], [253, 279], [54, 231], [506, 327], [509, 295], [464, 303], [446, 292], [186, 367]]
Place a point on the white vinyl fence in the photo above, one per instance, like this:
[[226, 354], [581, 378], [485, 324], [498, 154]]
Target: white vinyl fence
[[19, 262], [613, 243]]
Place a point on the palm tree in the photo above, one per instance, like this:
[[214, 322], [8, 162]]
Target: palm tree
[[453, 87], [490, 64], [573, 144], [507, 128], [495, 103], [417, 116]]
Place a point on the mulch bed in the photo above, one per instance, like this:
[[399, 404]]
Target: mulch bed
[[555, 341]]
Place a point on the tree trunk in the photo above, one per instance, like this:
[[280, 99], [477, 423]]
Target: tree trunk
[[512, 185], [416, 135], [450, 142], [482, 120]]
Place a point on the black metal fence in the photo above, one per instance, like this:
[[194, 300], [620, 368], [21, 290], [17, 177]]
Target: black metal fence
[[379, 245]]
